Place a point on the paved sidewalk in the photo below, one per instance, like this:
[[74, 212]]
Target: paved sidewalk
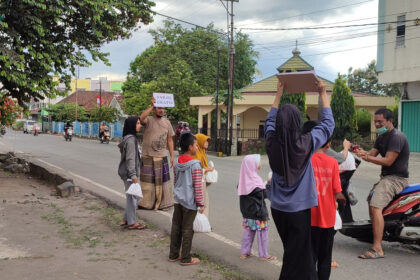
[[43, 236]]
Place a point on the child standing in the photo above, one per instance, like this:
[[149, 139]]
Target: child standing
[[252, 192], [201, 155], [327, 178], [188, 195]]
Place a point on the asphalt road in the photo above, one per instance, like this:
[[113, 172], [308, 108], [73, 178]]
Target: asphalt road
[[99, 162]]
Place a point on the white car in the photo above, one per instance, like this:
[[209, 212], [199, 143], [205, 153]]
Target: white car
[[28, 126]]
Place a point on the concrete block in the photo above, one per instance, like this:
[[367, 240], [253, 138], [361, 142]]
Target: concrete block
[[66, 189]]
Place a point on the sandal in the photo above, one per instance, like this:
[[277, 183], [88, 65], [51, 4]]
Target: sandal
[[334, 264], [371, 254], [269, 258], [136, 227], [123, 224], [192, 262], [244, 256], [175, 260]]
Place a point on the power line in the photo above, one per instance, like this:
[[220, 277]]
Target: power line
[[325, 27], [310, 13], [351, 49], [190, 23]]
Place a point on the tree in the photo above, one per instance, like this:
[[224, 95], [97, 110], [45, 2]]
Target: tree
[[107, 114], [9, 110], [366, 81], [195, 51], [67, 112], [342, 105], [40, 39]]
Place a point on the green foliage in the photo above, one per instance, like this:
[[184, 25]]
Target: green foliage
[[67, 111], [366, 81], [223, 96], [394, 110], [363, 119], [107, 114], [299, 100], [18, 125], [342, 105], [42, 38], [184, 62]]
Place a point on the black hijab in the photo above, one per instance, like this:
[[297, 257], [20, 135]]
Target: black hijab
[[288, 149], [130, 125]]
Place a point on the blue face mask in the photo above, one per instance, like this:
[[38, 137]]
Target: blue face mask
[[381, 130]]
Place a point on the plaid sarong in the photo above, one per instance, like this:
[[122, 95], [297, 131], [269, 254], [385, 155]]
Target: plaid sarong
[[155, 183]]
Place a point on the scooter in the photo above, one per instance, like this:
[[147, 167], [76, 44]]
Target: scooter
[[401, 216], [68, 135], [105, 136], [36, 131]]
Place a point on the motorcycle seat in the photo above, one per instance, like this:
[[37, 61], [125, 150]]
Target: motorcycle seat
[[410, 189]]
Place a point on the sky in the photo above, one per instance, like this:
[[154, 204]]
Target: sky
[[330, 51]]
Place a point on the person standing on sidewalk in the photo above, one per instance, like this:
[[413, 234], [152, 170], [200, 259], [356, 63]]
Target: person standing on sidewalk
[[393, 147], [129, 169], [188, 195], [155, 178], [293, 190], [201, 155]]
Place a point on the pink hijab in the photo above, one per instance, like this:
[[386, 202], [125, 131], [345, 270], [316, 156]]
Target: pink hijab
[[248, 176]]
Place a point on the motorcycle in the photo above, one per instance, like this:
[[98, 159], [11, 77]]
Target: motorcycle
[[3, 130], [105, 136], [401, 216], [68, 135], [36, 131]]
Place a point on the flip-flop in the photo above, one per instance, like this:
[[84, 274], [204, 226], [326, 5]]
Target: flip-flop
[[334, 264], [367, 256], [244, 256], [192, 262], [137, 227], [123, 224], [175, 260], [269, 258]]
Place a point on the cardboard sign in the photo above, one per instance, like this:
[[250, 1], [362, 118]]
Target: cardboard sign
[[298, 82], [164, 99]]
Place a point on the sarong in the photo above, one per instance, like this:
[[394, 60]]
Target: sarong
[[155, 183]]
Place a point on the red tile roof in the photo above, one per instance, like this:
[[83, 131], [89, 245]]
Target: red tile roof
[[87, 99]]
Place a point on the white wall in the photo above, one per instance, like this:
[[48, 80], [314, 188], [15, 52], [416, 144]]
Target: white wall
[[401, 63], [413, 90]]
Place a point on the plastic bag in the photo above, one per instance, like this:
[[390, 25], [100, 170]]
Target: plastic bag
[[211, 177], [201, 223], [352, 195], [338, 222], [135, 190]]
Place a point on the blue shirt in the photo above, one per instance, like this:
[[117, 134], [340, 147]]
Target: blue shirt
[[303, 194]]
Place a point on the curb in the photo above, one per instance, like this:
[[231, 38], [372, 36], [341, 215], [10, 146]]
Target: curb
[[210, 244]]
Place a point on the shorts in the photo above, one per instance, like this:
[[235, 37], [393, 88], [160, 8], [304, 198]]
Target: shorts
[[385, 190]]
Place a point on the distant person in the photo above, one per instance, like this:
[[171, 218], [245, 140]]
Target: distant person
[[67, 126], [327, 178], [293, 190], [129, 169], [102, 129], [252, 192], [393, 147], [188, 196], [201, 155], [155, 178]]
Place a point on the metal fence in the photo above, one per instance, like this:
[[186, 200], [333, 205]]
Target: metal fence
[[85, 129]]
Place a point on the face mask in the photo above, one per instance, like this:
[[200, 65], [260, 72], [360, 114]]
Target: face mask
[[381, 130]]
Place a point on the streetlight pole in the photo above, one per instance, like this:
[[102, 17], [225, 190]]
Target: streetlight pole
[[231, 78], [217, 97], [77, 76]]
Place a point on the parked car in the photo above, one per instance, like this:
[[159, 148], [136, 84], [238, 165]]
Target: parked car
[[28, 126]]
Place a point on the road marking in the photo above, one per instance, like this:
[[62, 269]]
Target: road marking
[[122, 195], [98, 185], [50, 164]]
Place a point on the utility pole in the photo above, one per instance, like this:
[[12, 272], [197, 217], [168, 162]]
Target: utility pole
[[231, 78], [217, 97], [100, 93], [77, 76]]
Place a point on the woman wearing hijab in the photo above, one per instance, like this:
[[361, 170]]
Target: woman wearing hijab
[[293, 190], [252, 192], [201, 155], [129, 169]]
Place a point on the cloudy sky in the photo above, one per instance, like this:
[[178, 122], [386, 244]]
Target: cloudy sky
[[330, 51]]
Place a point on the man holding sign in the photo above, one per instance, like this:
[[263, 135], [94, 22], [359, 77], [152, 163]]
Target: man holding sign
[[154, 175]]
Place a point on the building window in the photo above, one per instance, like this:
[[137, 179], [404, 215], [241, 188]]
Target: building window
[[400, 31]]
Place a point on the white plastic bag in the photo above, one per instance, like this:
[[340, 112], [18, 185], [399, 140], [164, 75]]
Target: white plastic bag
[[211, 177], [338, 222], [201, 223], [352, 195], [135, 190]]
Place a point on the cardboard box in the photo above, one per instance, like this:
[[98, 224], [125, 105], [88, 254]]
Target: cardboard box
[[299, 82]]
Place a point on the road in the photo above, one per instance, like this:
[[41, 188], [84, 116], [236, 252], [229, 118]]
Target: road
[[88, 159]]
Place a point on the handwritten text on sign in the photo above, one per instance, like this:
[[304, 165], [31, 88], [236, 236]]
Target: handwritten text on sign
[[164, 99]]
